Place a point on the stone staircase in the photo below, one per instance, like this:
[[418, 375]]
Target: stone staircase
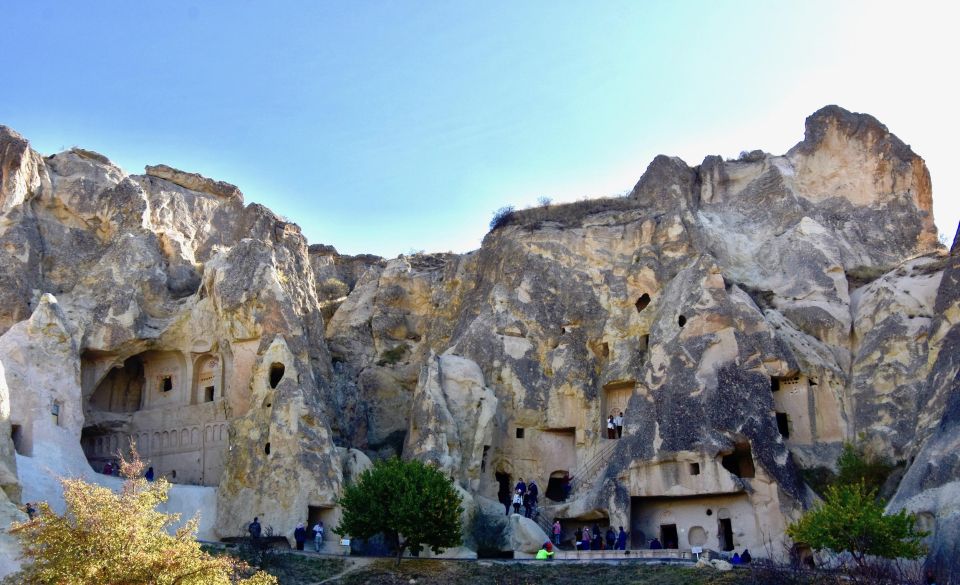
[[584, 475]]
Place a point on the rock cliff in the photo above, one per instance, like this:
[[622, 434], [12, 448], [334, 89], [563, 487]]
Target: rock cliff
[[745, 318]]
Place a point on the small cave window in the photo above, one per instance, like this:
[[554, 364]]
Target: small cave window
[[166, 383], [483, 459], [644, 342], [208, 393], [173, 474], [783, 425], [709, 512], [520, 432], [642, 302], [266, 449], [681, 320], [55, 412], [694, 469], [276, 374]]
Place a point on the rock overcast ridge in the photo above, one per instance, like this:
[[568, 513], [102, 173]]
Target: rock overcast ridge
[[747, 317]]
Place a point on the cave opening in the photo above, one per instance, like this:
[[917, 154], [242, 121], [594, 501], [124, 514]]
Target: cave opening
[[642, 302], [276, 373], [740, 462], [681, 320]]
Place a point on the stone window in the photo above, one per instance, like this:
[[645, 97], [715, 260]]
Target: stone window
[[642, 302], [681, 320], [266, 449], [166, 383], [276, 374], [694, 469], [520, 431], [208, 393], [783, 425]]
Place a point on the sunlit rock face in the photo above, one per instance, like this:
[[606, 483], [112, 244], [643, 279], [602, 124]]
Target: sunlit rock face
[[745, 316]]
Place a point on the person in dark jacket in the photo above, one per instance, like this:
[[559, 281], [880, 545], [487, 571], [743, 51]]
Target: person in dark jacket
[[611, 537], [597, 543], [149, 474], [745, 557], [254, 528], [622, 540], [655, 544], [300, 535]]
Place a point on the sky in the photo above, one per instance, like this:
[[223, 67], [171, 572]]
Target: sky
[[398, 126]]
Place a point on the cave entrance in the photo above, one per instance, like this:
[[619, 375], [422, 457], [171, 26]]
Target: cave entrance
[[668, 536], [725, 533], [20, 443], [613, 403], [740, 462], [504, 490], [558, 486], [121, 389]]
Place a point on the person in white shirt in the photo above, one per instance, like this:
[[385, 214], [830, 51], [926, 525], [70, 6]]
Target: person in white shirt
[[618, 421]]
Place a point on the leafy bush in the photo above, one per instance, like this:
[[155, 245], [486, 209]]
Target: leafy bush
[[501, 217], [407, 499], [851, 519], [392, 355], [107, 537]]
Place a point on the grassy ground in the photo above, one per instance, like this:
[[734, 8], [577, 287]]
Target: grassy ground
[[433, 572]]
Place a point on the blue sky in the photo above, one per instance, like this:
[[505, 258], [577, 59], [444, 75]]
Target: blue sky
[[386, 127]]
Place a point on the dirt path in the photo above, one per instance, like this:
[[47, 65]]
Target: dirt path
[[353, 564]]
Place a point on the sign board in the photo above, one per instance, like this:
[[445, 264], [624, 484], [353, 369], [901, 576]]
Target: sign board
[[696, 549], [344, 542]]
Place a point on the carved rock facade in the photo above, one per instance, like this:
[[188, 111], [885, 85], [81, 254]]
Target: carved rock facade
[[746, 316]]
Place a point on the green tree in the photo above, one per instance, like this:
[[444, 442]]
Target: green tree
[[405, 499], [120, 538], [854, 467], [851, 519]]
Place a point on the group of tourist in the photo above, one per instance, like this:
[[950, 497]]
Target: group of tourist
[[299, 533], [615, 426], [591, 539], [526, 496]]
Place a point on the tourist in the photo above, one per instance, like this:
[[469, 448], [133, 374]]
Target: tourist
[[655, 544], [578, 536], [597, 542], [746, 557], [318, 535], [300, 535], [254, 528], [736, 560], [622, 540], [517, 501], [556, 532], [611, 428], [586, 538], [618, 421], [31, 511], [149, 475], [527, 504], [108, 468], [611, 537], [521, 487], [534, 492], [546, 552]]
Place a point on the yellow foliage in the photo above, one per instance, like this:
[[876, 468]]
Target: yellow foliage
[[120, 538]]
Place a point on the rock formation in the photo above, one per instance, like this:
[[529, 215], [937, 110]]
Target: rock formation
[[746, 316]]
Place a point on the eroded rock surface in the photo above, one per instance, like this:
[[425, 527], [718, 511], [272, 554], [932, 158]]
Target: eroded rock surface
[[745, 316]]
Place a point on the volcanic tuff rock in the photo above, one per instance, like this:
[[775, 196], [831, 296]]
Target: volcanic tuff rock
[[746, 316]]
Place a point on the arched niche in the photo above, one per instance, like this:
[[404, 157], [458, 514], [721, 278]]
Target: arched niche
[[207, 379]]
